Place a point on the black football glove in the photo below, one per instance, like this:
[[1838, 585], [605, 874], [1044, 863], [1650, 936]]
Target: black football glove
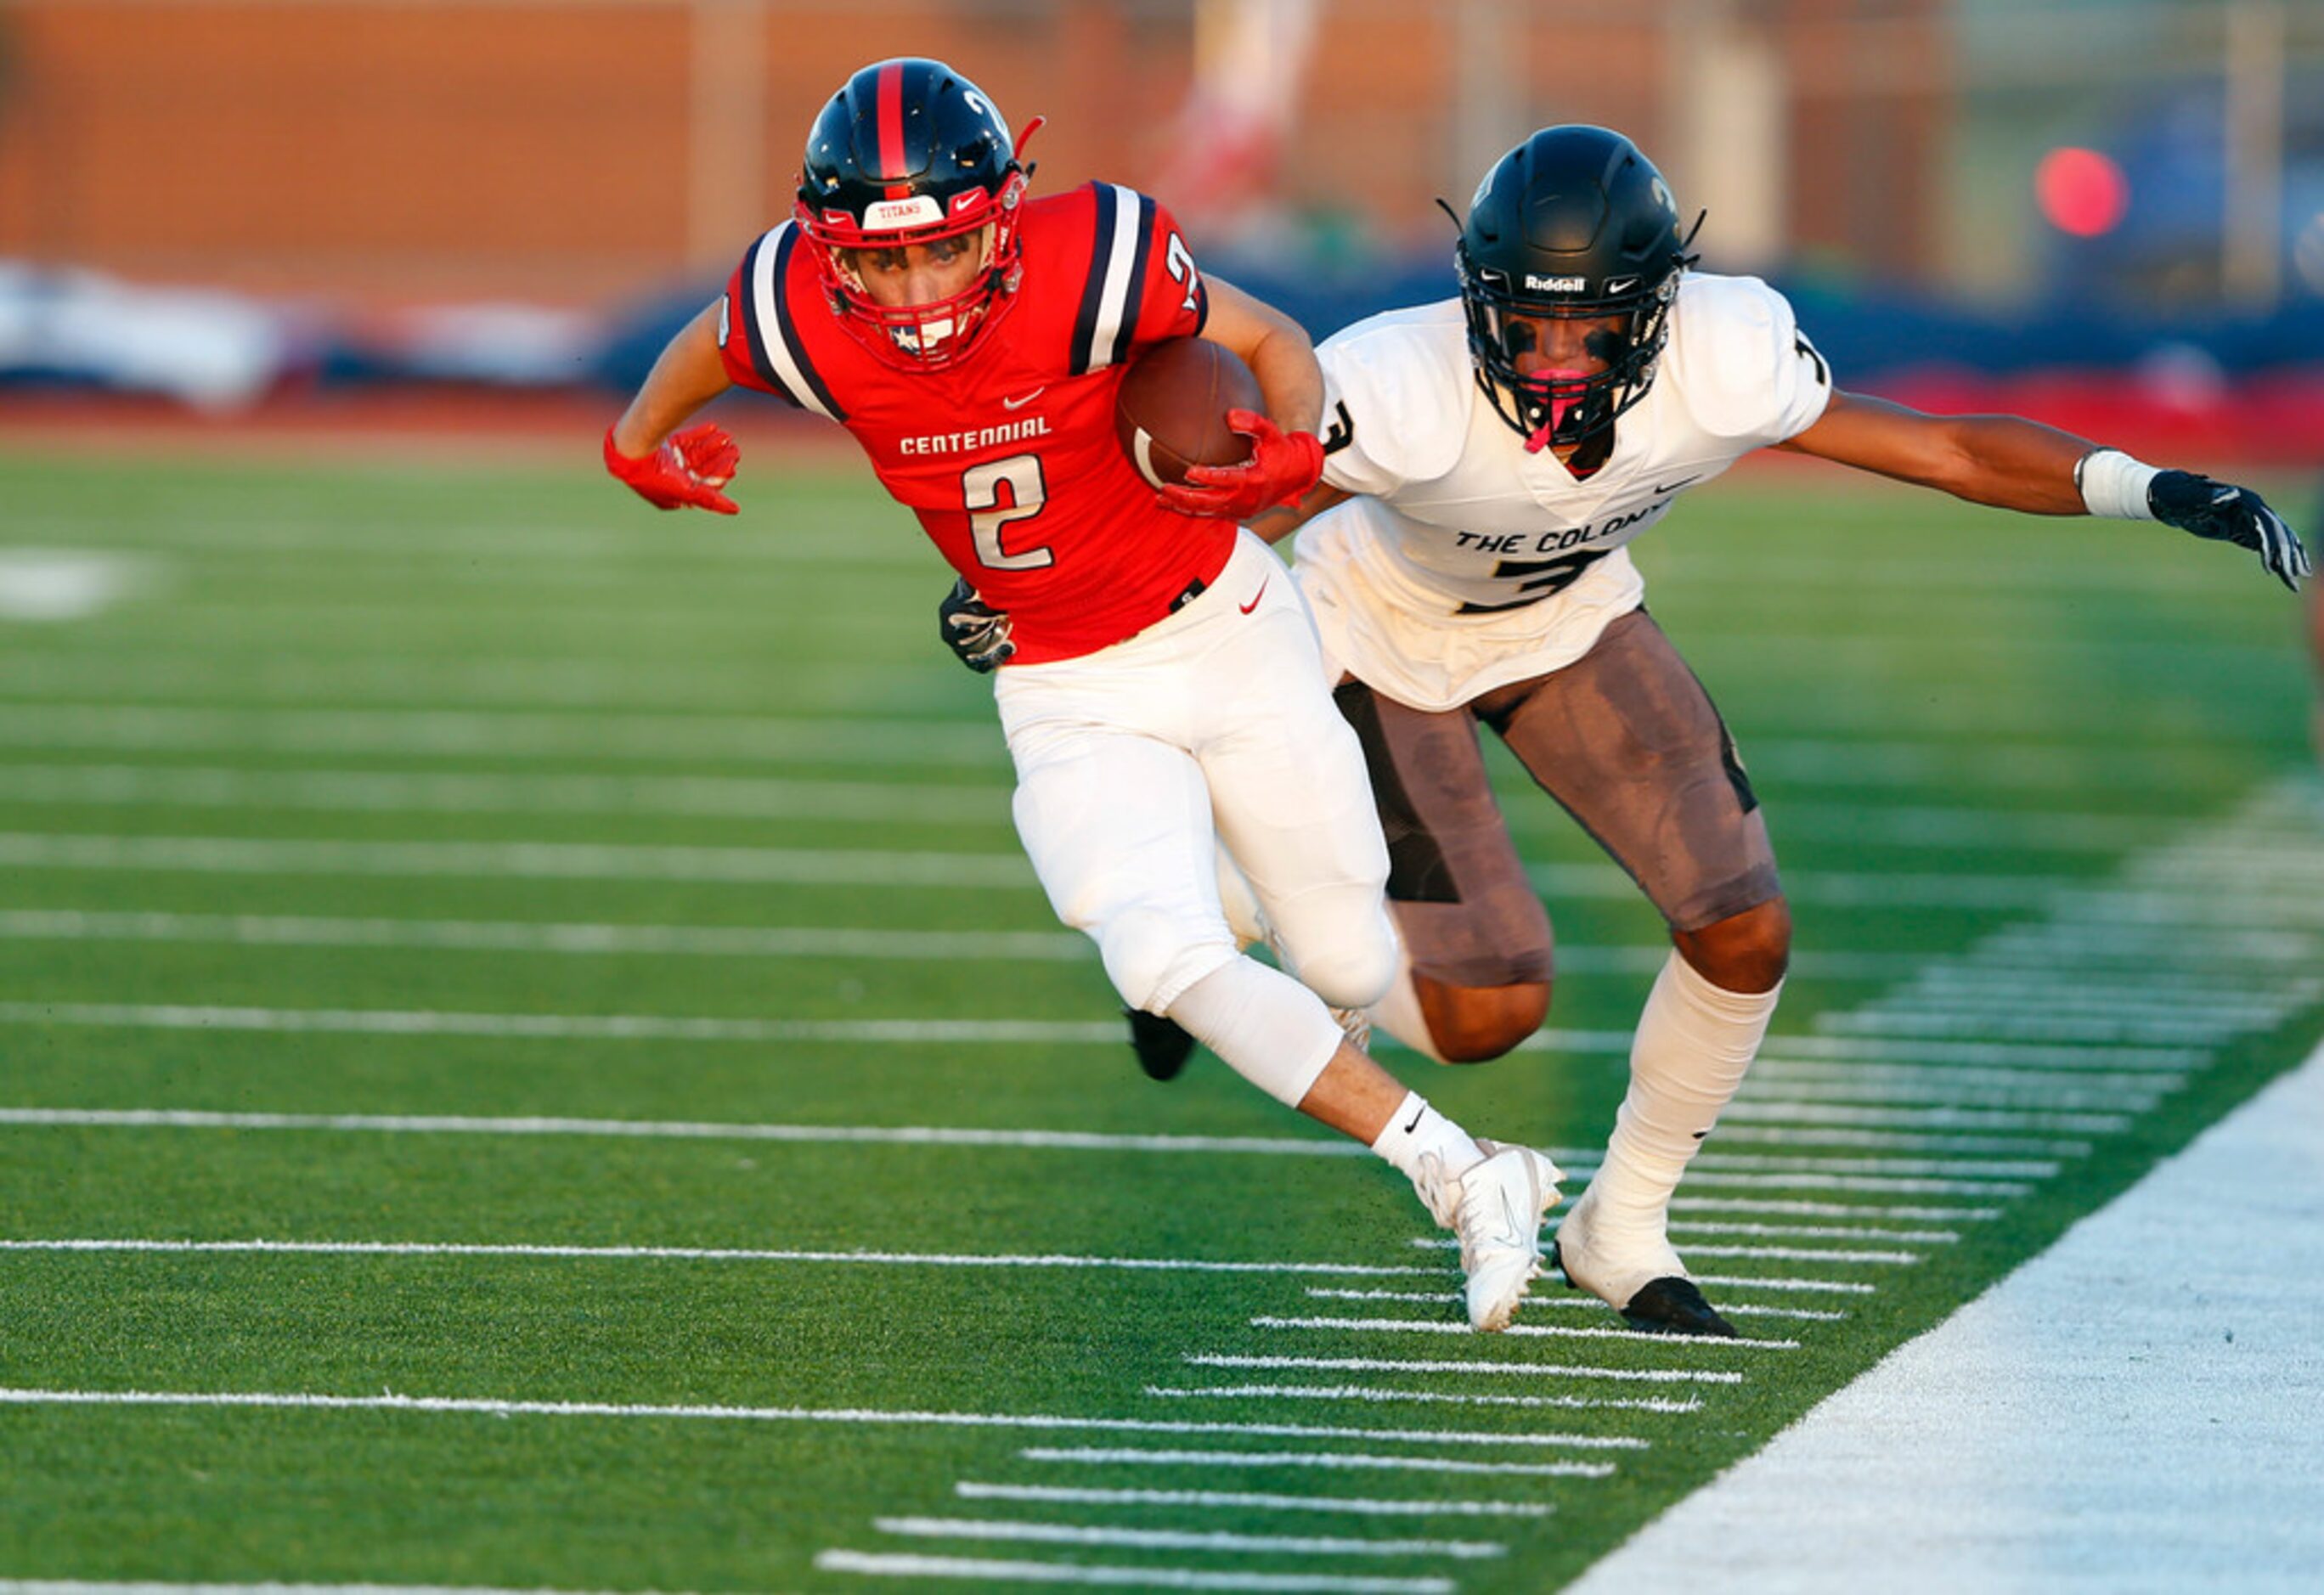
[[2231, 514], [976, 631]]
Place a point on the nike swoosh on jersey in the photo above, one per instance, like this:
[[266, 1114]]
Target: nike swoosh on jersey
[[1674, 487], [1255, 598], [1028, 399]]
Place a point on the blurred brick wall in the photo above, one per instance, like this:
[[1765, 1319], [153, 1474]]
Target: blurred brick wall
[[566, 150]]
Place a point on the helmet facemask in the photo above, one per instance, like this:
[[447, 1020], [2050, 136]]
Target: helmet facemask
[[1562, 407], [940, 332]]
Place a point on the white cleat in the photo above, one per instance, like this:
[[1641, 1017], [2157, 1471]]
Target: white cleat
[[1496, 1207]]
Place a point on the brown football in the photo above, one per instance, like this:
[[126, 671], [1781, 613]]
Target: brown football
[[1171, 410]]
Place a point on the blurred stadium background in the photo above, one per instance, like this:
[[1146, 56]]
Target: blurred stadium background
[[2107, 212]]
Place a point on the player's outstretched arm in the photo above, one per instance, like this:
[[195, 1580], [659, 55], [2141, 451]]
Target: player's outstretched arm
[[2015, 464], [688, 469], [1287, 459]]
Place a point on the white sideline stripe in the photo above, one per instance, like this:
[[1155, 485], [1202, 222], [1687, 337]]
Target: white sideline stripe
[[1754, 1162], [391, 1402], [2211, 1364], [1933, 1090], [607, 1027], [1811, 1232], [1439, 1326], [1177, 1539], [236, 855], [1453, 1398], [1234, 1500], [1572, 1303], [1045, 1140], [1060, 946], [1311, 1459], [1645, 1376], [2094, 1077], [463, 792], [704, 1254], [887, 1565]]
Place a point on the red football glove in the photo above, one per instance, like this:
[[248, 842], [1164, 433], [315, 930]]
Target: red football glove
[[1283, 465], [689, 468]]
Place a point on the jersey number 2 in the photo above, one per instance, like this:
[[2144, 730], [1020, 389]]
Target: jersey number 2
[[990, 510]]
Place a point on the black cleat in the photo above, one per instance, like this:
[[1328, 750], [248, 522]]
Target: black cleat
[[1675, 1306], [1162, 1047]]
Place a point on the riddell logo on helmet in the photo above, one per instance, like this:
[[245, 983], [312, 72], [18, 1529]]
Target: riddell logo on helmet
[[1556, 284], [901, 213]]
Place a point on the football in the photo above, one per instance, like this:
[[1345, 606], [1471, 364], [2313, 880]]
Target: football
[[1171, 410]]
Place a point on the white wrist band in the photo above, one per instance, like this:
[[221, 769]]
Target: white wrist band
[[2114, 484]]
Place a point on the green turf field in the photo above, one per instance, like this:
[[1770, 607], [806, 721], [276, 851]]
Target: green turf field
[[530, 1058]]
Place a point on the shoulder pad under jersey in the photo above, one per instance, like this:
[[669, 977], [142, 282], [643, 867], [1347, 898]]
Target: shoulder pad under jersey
[[1397, 392], [1737, 358]]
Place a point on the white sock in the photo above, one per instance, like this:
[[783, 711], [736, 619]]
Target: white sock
[[1694, 1044], [1415, 1129], [1269, 1029], [1398, 1012]]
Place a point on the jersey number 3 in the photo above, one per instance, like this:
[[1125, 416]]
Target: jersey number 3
[[997, 492]]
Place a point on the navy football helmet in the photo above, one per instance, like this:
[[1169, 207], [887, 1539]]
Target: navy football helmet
[[1574, 223], [909, 151]]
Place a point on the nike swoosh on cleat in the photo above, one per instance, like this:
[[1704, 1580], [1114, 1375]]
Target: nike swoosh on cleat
[[1255, 598], [1028, 399]]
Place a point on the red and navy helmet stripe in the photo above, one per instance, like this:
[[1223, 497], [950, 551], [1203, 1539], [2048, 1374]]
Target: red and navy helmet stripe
[[887, 114]]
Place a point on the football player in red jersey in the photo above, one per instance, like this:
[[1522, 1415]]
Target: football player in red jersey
[[1166, 691]]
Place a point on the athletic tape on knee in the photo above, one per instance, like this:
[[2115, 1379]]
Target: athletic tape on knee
[[1269, 1029]]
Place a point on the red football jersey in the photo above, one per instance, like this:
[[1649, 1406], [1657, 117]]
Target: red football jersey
[[1008, 457]]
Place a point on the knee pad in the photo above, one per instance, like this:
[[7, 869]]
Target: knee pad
[[1152, 956], [1352, 963]]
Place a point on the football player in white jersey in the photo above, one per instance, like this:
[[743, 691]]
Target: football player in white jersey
[[1488, 458]]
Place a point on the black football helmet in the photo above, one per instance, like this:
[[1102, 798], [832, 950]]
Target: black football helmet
[[1572, 222], [909, 151]]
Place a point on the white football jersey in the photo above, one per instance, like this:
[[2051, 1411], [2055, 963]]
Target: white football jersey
[[1466, 562]]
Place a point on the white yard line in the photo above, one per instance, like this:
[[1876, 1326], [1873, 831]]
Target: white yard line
[[2168, 1443], [85, 1587], [1360, 1460], [849, 1417], [1548, 1370], [723, 941], [358, 791], [1521, 1331], [700, 1254], [1171, 1539], [1374, 1393], [679, 1129], [980, 1570], [1573, 1303], [557, 861], [561, 1026], [1243, 1500]]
